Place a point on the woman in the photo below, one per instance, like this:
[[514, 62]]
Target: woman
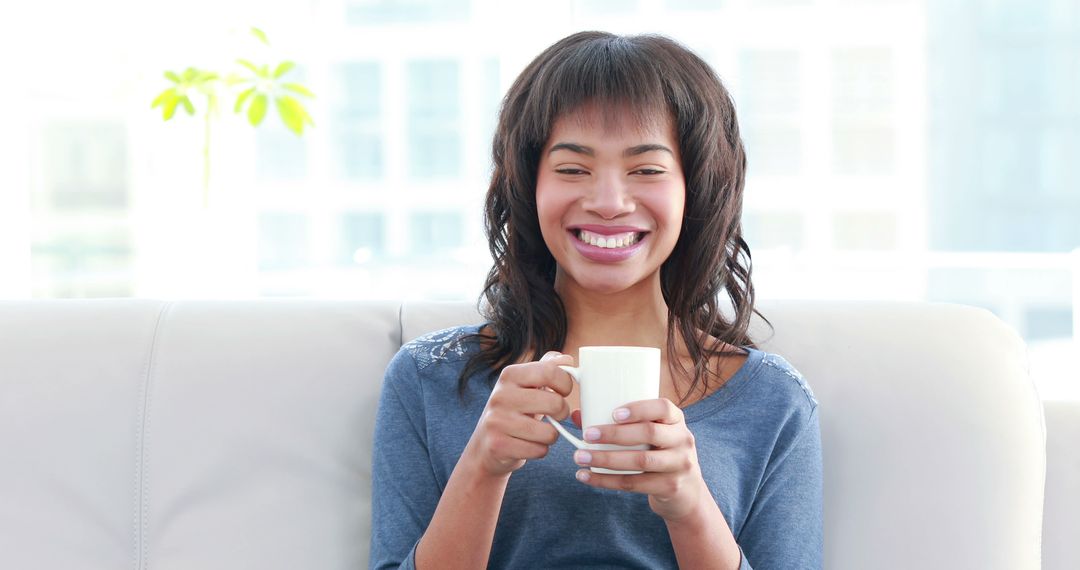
[[613, 219]]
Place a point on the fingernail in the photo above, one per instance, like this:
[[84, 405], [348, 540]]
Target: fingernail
[[582, 457], [592, 434], [621, 414], [583, 475]]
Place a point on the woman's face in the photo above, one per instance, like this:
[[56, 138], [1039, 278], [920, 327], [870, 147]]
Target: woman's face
[[610, 199]]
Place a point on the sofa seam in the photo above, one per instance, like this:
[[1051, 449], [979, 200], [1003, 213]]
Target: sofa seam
[[141, 446]]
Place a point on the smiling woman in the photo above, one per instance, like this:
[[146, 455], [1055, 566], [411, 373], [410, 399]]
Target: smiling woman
[[613, 216]]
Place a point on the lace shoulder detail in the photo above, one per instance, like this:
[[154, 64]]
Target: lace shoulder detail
[[781, 365], [440, 346]]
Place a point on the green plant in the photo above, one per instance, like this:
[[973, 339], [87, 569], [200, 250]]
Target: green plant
[[263, 84]]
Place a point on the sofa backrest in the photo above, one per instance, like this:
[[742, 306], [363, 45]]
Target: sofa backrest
[[237, 434]]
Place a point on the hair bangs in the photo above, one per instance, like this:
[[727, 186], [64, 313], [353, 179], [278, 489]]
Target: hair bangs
[[606, 79]]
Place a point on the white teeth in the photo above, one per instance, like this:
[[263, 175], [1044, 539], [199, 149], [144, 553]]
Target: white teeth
[[608, 242]]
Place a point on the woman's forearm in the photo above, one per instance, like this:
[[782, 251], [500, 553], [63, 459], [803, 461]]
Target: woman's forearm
[[463, 526], [704, 540]]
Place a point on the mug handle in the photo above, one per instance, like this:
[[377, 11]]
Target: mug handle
[[574, 373]]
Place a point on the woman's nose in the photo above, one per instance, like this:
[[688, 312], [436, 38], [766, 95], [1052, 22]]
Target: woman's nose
[[609, 198]]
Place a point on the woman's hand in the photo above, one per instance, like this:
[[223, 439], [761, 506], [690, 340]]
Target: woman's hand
[[671, 474], [511, 428]]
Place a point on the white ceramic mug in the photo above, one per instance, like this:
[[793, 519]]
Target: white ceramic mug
[[611, 377]]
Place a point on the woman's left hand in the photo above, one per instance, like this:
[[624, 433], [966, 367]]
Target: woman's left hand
[[671, 474]]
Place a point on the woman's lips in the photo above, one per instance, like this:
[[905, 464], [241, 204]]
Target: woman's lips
[[606, 254]]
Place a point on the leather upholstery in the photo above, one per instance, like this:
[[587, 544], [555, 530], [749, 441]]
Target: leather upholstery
[[237, 434]]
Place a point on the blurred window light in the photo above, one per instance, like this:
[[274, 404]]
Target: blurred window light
[[434, 234], [694, 4], [775, 229], [863, 149], [85, 165], [864, 231], [362, 237], [606, 7], [357, 125], [91, 262], [369, 12], [433, 117], [862, 81], [895, 149], [776, 150], [283, 241], [281, 155], [769, 82]]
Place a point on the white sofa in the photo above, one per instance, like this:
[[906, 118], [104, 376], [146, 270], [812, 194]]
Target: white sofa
[[144, 434]]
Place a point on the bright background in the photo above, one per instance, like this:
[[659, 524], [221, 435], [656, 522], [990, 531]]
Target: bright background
[[898, 149]]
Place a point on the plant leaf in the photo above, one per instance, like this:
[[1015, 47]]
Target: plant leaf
[[161, 98], [283, 68], [170, 106], [257, 110], [290, 115], [264, 71], [187, 105], [190, 74], [234, 79], [260, 34], [248, 65], [172, 76], [241, 98], [297, 88]]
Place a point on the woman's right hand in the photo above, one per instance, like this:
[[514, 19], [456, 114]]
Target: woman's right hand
[[511, 428]]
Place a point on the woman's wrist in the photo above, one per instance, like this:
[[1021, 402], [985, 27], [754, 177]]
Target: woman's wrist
[[702, 538], [462, 528], [700, 516], [474, 468]]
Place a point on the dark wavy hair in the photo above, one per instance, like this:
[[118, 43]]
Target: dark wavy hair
[[648, 76]]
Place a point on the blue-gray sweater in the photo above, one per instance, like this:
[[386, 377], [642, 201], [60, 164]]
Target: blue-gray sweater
[[759, 447]]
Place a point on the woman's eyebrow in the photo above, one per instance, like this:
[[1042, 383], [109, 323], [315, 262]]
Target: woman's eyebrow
[[644, 148], [573, 147], [632, 151]]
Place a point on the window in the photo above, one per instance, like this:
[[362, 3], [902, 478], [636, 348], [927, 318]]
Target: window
[[433, 115], [283, 241], [769, 111], [368, 12], [864, 231], [769, 82], [1048, 322], [863, 150], [435, 233], [94, 262], [606, 7], [693, 4], [362, 238], [773, 150], [781, 229], [862, 82], [358, 129], [85, 165], [280, 154]]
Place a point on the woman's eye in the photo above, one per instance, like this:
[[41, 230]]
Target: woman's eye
[[573, 171], [648, 171]]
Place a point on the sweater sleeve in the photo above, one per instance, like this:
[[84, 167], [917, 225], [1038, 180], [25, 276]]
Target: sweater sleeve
[[404, 491], [783, 529]]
